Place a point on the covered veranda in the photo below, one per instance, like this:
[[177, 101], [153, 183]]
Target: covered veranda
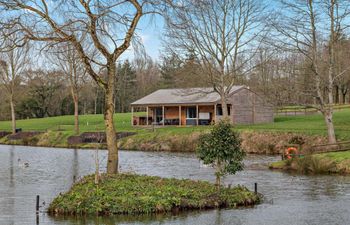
[[177, 115]]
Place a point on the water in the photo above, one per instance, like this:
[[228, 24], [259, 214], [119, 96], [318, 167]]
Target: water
[[290, 199]]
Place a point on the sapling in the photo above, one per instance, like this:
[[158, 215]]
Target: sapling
[[221, 148]]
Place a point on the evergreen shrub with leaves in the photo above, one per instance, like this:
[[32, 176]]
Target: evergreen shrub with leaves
[[221, 148]]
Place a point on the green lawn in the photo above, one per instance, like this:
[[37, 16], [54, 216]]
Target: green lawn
[[337, 157], [310, 124]]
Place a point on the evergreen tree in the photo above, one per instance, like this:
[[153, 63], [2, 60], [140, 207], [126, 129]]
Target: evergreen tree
[[221, 148]]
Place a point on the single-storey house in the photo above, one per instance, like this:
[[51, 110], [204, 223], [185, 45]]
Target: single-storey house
[[201, 106]]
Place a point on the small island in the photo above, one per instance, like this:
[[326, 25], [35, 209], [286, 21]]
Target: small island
[[139, 194]]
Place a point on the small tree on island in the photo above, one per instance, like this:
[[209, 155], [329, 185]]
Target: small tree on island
[[221, 148]]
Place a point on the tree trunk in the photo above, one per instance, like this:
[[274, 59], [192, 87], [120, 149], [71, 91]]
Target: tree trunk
[[97, 167], [112, 163], [218, 175], [95, 102], [328, 116], [84, 107], [13, 115], [76, 109], [76, 114], [224, 106], [344, 91], [330, 127], [336, 94], [218, 182]]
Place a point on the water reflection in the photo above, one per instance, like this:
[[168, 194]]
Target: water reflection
[[291, 199], [75, 165]]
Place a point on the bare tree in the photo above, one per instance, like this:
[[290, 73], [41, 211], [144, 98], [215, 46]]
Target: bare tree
[[301, 28], [67, 59], [147, 74], [109, 25], [342, 83], [13, 61], [221, 33]]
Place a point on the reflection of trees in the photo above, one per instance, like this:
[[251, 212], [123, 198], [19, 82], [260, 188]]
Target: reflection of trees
[[117, 219], [324, 185], [12, 155], [75, 166], [10, 204]]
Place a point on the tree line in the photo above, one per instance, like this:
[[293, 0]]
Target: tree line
[[294, 52]]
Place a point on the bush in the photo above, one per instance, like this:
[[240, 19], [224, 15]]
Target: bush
[[221, 148]]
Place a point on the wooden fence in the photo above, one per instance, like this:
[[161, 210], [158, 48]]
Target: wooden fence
[[285, 111], [337, 147]]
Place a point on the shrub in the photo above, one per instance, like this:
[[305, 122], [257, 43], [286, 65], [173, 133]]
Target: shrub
[[221, 148], [298, 140]]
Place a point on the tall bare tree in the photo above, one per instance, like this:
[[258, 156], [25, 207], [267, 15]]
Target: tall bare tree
[[109, 25], [221, 34], [67, 59], [13, 61], [301, 28]]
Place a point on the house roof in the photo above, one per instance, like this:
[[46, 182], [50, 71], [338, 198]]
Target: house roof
[[182, 96]]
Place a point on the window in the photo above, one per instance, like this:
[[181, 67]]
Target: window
[[191, 112], [219, 110], [158, 114]]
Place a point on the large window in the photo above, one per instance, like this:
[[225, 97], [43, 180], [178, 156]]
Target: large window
[[191, 113]]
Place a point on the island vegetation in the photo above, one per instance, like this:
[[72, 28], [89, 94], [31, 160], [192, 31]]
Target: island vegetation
[[136, 194]]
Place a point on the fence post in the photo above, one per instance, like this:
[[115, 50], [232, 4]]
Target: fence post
[[37, 204], [256, 188]]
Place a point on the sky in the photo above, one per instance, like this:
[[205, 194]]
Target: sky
[[150, 30]]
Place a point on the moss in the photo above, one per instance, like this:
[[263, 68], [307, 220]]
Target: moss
[[139, 194], [278, 165]]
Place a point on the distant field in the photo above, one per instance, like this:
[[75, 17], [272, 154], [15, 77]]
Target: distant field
[[310, 124]]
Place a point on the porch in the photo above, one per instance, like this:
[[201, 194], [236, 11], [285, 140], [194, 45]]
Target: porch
[[179, 115]]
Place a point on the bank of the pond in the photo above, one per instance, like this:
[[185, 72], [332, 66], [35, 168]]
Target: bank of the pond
[[257, 142], [324, 163], [141, 194]]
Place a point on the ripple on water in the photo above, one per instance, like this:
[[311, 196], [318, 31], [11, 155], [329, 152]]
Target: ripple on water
[[290, 199]]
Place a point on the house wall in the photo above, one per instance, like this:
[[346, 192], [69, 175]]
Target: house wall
[[249, 108], [171, 112]]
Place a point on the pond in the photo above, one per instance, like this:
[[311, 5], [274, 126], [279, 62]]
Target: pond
[[290, 199]]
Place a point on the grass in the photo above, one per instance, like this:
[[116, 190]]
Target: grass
[[323, 163], [307, 124], [139, 194], [337, 157], [171, 138]]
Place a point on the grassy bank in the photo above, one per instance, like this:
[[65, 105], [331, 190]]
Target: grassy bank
[[137, 194], [173, 138], [324, 163]]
